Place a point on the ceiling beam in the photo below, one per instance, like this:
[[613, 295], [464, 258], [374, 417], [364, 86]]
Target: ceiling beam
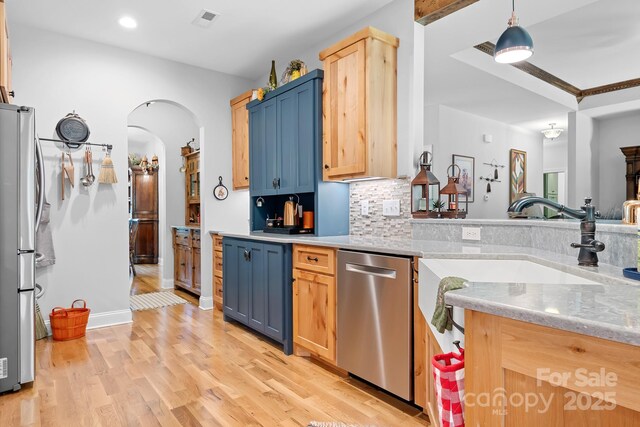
[[428, 11], [580, 94]]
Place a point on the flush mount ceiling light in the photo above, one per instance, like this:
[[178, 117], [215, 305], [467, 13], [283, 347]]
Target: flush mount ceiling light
[[128, 22], [552, 132], [515, 44]]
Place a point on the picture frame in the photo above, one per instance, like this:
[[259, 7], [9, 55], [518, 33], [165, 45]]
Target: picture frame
[[517, 173], [467, 166]]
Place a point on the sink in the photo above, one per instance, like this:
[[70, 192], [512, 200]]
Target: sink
[[478, 270]]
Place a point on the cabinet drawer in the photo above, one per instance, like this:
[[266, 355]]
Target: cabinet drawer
[[217, 264], [182, 237], [217, 243], [217, 287], [314, 258], [195, 238]]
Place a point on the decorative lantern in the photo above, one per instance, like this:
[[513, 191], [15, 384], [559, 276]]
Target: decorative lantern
[[425, 191], [455, 191]]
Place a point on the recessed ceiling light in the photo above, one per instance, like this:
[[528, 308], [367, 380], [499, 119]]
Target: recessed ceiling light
[[128, 22]]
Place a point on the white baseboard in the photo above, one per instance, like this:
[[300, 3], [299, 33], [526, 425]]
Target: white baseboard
[[167, 284], [160, 261], [103, 320], [206, 303]]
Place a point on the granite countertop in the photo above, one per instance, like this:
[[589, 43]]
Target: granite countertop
[[190, 227], [609, 311], [453, 250], [606, 226]]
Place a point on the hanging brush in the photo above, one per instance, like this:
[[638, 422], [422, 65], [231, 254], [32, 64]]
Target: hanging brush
[[107, 171]]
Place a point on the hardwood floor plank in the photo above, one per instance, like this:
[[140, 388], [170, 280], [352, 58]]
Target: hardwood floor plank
[[182, 366]]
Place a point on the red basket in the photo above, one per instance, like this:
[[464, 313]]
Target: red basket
[[69, 323]]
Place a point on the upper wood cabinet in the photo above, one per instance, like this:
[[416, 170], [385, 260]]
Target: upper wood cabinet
[[240, 140], [5, 58], [192, 188], [359, 107]]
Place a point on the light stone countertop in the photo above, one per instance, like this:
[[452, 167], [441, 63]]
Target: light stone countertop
[[601, 225], [609, 309]]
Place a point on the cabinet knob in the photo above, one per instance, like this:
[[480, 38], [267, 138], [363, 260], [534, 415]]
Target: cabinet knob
[[182, 264], [247, 255], [12, 93], [246, 178], [326, 166], [314, 259]]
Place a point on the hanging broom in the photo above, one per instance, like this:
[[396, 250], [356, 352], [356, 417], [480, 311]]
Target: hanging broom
[[41, 329], [107, 171]]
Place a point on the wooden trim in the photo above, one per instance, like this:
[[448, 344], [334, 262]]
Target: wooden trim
[[241, 97], [539, 73], [428, 11], [598, 90], [368, 32]]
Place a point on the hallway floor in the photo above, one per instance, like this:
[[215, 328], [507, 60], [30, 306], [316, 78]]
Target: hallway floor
[[182, 366]]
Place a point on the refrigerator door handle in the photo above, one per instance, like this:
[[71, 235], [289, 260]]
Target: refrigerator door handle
[[26, 271], [41, 182], [27, 337], [26, 180]]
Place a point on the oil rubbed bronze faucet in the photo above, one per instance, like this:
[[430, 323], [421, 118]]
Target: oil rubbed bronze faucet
[[589, 246]]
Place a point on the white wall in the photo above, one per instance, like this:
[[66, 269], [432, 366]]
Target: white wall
[[174, 126], [462, 133], [57, 74], [583, 167], [555, 154], [615, 132], [144, 143]]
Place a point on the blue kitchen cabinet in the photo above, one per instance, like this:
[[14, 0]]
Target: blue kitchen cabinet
[[263, 157], [283, 138], [257, 287]]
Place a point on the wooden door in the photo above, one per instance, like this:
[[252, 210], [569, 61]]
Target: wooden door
[[182, 265], [195, 268], [240, 140], [237, 279], [344, 113], [314, 313], [254, 265], [144, 208]]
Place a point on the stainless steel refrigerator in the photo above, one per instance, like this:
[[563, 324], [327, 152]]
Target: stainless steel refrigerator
[[21, 201]]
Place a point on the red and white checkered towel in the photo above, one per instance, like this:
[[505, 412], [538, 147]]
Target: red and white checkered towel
[[448, 374]]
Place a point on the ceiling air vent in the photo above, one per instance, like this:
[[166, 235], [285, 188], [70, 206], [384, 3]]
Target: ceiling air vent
[[205, 18]]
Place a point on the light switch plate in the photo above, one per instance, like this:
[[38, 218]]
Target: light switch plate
[[391, 207], [471, 233], [364, 208]]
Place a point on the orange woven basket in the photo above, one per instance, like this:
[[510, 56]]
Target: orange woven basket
[[69, 323]]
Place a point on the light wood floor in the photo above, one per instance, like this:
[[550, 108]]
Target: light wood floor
[[183, 366]]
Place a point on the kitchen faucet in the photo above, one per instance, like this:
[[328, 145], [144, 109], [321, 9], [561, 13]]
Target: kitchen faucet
[[589, 246]]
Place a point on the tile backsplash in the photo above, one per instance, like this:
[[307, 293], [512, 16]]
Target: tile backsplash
[[375, 224]]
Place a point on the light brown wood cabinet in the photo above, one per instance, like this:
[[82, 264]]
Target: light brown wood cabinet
[[360, 106], [186, 259], [240, 140], [314, 301], [217, 270], [192, 189], [6, 93], [585, 380]]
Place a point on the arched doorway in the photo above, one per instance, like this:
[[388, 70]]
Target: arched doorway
[[169, 125]]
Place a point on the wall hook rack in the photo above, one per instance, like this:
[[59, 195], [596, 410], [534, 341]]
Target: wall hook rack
[[74, 145], [489, 179]]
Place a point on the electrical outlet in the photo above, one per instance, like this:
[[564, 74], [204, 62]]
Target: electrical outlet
[[364, 208], [471, 233], [391, 207]]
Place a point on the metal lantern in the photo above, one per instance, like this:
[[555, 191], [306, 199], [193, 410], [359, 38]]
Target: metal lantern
[[425, 191], [454, 191]]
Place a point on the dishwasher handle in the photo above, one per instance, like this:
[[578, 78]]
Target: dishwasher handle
[[371, 270]]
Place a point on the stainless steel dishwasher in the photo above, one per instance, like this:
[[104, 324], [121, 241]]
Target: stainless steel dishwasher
[[375, 318]]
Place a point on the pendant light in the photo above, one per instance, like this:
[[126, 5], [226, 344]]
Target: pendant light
[[515, 44], [552, 132]]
